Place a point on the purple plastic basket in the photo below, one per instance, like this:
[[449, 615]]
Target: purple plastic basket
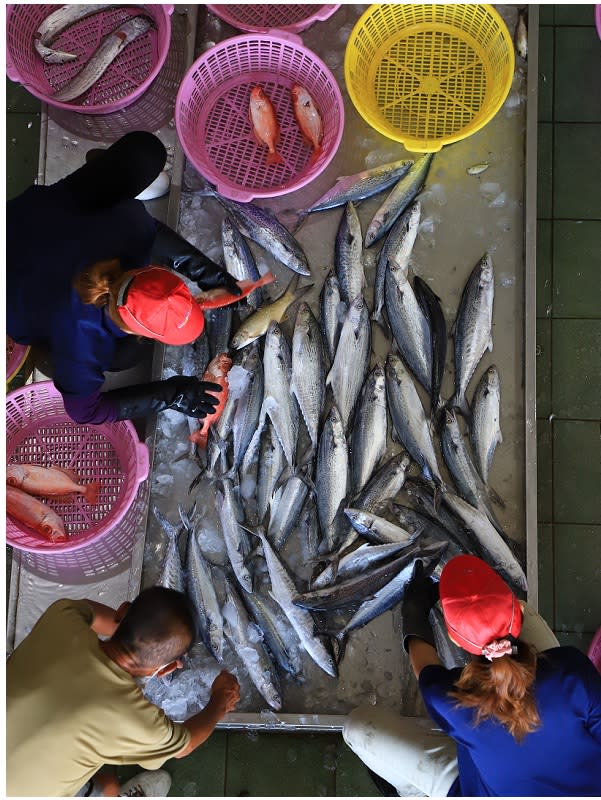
[[265, 17], [212, 115], [39, 431], [126, 79]]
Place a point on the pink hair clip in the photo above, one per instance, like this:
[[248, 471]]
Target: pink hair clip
[[498, 649]]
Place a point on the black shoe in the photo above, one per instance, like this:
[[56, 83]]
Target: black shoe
[[386, 789]]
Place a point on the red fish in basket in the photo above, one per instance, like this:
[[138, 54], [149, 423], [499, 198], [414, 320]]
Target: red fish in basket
[[35, 514]]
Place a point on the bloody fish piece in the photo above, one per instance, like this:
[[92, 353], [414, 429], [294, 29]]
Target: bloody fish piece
[[35, 514], [217, 298], [216, 372], [308, 118], [49, 481], [265, 124]]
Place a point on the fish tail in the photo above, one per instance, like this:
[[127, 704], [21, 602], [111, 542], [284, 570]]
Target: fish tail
[[274, 158], [378, 318], [459, 401], [315, 155], [92, 490]]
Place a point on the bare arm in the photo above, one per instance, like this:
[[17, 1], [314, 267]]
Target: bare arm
[[106, 619], [421, 654], [225, 694]]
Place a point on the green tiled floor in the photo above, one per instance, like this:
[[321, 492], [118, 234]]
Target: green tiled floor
[[568, 404]]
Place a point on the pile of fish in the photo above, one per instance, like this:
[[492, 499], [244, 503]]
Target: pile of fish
[[300, 458], [107, 51]]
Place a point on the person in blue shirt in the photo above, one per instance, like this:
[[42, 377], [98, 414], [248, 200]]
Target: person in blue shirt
[[523, 718], [76, 261]]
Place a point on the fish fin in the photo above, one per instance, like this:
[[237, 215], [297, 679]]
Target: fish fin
[[460, 403], [196, 480], [274, 158], [315, 155], [91, 493], [496, 498]]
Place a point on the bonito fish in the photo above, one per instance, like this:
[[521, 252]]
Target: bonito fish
[[348, 255], [235, 537], [172, 572], [308, 370], [332, 476], [430, 305], [265, 124], [239, 260], [57, 22], [332, 313], [485, 431], [368, 438], [104, 56], [35, 514], [50, 481]]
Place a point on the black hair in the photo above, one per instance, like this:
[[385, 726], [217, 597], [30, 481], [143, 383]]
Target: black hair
[[158, 627]]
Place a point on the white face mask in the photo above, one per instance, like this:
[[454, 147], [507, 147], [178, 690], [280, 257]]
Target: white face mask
[[144, 680]]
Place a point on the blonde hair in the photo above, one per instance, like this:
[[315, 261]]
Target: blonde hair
[[502, 689], [96, 284]]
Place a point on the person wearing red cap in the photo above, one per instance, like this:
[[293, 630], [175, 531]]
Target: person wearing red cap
[[522, 718], [88, 266]]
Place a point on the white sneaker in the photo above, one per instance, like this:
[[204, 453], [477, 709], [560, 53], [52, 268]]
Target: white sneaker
[[150, 783], [157, 188]]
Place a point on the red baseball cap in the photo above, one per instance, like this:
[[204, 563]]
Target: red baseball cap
[[478, 606], [156, 303]]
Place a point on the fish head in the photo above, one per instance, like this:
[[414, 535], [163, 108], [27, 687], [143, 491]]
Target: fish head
[[492, 377], [257, 95], [15, 474]]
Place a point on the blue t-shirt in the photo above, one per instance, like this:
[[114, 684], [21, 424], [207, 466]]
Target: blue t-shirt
[[49, 240], [561, 758]]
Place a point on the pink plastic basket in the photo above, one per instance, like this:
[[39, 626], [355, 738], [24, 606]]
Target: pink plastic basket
[[38, 431], [126, 79], [598, 19], [212, 120], [15, 357], [264, 17], [594, 651]]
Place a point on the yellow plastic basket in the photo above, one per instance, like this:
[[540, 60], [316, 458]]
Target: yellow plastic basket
[[428, 75]]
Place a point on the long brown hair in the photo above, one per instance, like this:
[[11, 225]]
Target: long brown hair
[[502, 689], [96, 284]]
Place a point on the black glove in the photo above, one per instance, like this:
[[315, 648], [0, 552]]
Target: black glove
[[171, 250], [188, 395], [421, 595]]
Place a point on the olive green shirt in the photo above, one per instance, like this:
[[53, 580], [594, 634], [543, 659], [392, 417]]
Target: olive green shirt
[[70, 709]]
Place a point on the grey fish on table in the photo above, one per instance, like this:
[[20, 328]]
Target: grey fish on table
[[351, 361], [235, 537], [410, 327], [409, 418], [429, 303], [361, 185], [219, 323], [368, 438], [51, 28], [247, 642], [348, 255], [433, 529], [332, 312], [288, 504], [172, 572], [331, 477], [196, 356], [397, 248], [103, 57], [378, 530], [308, 370], [355, 562], [472, 331], [272, 462], [201, 590], [264, 229], [240, 262], [406, 189], [283, 590], [248, 408], [485, 430]]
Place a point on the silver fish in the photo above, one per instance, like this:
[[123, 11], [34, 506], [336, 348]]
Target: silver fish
[[308, 370], [473, 328], [368, 438], [397, 248], [219, 323], [200, 588], [283, 590], [352, 360], [235, 537], [287, 507], [333, 311], [407, 188], [430, 304], [431, 530], [490, 540], [247, 642], [103, 57], [332, 476], [172, 572], [57, 22], [348, 255], [265, 230], [196, 357], [361, 185], [377, 530], [239, 260], [521, 33], [410, 326], [271, 464], [248, 409], [358, 561], [409, 418], [485, 431]]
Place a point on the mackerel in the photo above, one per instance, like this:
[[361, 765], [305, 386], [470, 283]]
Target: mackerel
[[218, 323], [239, 261], [348, 255], [276, 629], [57, 22], [288, 504], [248, 409], [397, 248], [332, 476], [283, 590], [472, 331], [414, 522], [406, 189], [333, 311], [485, 431], [409, 418], [271, 464], [377, 530], [308, 370], [430, 305], [235, 537], [368, 438], [103, 57], [247, 641], [352, 360], [356, 562], [172, 572]]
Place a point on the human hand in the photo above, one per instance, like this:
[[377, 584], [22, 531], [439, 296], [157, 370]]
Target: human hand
[[225, 691], [121, 612], [220, 279]]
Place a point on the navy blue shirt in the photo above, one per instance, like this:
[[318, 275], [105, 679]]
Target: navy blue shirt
[[561, 758], [49, 240]]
